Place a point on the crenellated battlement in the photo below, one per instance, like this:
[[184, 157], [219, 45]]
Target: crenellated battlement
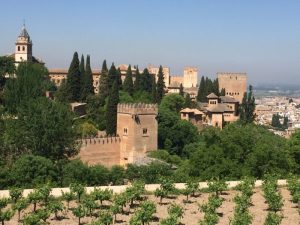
[[137, 108], [99, 140], [230, 75]]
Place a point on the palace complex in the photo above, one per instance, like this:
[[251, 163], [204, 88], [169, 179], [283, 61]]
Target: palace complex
[[136, 123]]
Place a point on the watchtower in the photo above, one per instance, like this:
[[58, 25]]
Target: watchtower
[[23, 51], [190, 77], [137, 128]]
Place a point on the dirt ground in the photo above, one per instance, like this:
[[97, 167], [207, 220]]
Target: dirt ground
[[192, 215]]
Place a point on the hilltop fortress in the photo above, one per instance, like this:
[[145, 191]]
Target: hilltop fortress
[[136, 135], [137, 128]]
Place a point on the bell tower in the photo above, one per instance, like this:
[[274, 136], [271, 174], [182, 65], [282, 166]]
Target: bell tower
[[23, 51]]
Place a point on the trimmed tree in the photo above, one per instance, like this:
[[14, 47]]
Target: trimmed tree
[[201, 97], [128, 83], [112, 77], [87, 83], [103, 83], [160, 85], [247, 107], [137, 82], [181, 92], [146, 81], [154, 90], [73, 79], [111, 111]]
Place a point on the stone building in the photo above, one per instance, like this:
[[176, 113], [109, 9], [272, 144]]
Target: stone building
[[235, 84], [136, 135], [217, 112], [23, 49]]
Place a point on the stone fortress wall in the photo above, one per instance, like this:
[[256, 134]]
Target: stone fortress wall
[[136, 135], [235, 84]]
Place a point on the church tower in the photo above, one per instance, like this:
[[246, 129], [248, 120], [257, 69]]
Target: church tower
[[23, 50]]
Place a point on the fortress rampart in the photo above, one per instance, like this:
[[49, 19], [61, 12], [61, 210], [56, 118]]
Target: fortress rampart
[[136, 135]]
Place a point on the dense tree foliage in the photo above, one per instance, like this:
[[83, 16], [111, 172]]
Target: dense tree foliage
[[43, 128], [31, 82], [277, 124], [239, 150], [206, 87]]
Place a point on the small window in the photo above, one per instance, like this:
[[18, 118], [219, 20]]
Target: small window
[[18, 48], [125, 131], [145, 131], [23, 48]]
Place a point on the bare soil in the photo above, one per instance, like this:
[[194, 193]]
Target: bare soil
[[192, 215]]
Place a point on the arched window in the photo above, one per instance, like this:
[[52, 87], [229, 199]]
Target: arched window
[[18, 48], [23, 48]]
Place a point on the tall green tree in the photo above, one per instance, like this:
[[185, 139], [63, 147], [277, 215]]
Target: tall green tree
[[247, 107], [81, 67], [276, 121], [160, 85], [112, 76], [44, 127], [73, 79], [187, 101], [87, 82], [201, 97], [111, 110], [181, 92], [103, 82], [137, 82], [146, 81], [128, 83], [154, 90], [215, 88]]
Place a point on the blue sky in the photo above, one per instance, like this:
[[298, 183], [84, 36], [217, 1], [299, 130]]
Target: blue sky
[[260, 37]]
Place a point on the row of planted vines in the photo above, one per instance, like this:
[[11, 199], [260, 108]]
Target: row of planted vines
[[215, 204]]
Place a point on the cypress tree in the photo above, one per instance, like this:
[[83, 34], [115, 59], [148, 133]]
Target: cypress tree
[[111, 110], [208, 87], [87, 87], [119, 78], [222, 92], [81, 66], [154, 90], [112, 76], [247, 107], [146, 81], [187, 101], [181, 90], [103, 82], [137, 82], [215, 88], [73, 79], [160, 85], [201, 97], [128, 83]]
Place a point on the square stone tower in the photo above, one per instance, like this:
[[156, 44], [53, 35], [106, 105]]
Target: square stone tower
[[137, 128], [23, 51], [190, 77], [235, 84]]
